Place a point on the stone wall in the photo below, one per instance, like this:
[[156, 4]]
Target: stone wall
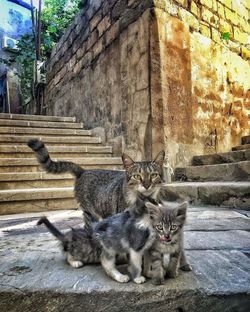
[[156, 74]]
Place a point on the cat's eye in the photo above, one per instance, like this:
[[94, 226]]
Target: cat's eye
[[154, 175], [173, 227], [159, 227], [137, 177]]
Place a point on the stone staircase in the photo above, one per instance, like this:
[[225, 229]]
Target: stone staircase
[[221, 179], [24, 186]]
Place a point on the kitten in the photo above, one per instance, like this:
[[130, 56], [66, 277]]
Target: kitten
[[113, 191], [125, 232], [169, 241]]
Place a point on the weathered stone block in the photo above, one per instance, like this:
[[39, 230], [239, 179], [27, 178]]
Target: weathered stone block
[[231, 16], [189, 19], [245, 52], [118, 9], [92, 39], [104, 25], [95, 20], [98, 47], [221, 10], [209, 17], [112, 34], [240, 36], [205, 29]]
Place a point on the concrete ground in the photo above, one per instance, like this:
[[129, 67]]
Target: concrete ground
[[35, 277]]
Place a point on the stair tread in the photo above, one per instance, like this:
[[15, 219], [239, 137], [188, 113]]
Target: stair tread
[[44, 131], [40, 124], [37, 117], [241, 147]]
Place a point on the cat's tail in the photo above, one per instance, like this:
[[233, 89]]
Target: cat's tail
[[59, 235], [48, 164]]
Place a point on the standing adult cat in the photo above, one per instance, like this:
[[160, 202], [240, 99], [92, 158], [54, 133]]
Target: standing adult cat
[[102, 193]]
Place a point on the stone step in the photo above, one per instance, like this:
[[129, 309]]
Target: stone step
[[226, 194], [245, 139], [221, 158], [241, 147], [37, 117], [27, 180], [37, 199], [21, 151], [239, 171], [44, 131], [31, 164], [33, 269], [55, 140], [40, 124]]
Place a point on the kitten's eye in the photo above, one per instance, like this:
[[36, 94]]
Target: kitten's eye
[[173, 227], [137, 177], [154, 175], [159, 227]]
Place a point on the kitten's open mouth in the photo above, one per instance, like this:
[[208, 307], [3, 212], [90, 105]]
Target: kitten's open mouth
[[165, 239]]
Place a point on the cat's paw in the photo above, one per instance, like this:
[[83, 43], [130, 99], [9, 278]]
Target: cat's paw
[[140, 280], [123, 278], [158, 281], [172, 274], [187, 268], [76, 264]]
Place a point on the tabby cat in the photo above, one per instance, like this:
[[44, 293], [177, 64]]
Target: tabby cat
[[122, 233], [169, 223], [112, 191]]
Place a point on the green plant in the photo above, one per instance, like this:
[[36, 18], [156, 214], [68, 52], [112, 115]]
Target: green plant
[[25, 61], [56, 17], [225, 36]]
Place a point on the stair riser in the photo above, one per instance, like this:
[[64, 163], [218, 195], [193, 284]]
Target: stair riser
[[40, 124], [226, 172], [44, 131], [34, 168], [245, 140], [12, 185], [55, 155], [225, 196], [221, 158], [37, 205]]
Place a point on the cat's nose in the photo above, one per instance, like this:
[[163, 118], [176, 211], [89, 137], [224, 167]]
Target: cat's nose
[[146, 185]]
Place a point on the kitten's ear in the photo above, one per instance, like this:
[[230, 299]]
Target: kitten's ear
[[127, 161], [181, 211], [159, 159], [153, 210]]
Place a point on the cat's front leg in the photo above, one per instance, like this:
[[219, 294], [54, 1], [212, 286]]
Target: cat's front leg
[[174, 264], [184, 265], [157, 268], [108, 264], [135, 267]]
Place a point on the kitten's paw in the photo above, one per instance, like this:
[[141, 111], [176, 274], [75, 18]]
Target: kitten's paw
[[140, 280], [172, 274], [187, 267], [76, 264], [123, 279], [158, 281]]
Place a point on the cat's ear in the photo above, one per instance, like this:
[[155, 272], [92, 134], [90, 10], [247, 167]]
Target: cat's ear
[[159, 159], [182, 211], [127, 161], [153, 210]]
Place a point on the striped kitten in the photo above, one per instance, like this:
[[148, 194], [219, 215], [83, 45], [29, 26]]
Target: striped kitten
[[169, 222], [122, 233]]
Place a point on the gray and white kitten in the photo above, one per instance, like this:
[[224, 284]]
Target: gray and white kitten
[[102, 193], [168, 224], [122, 233]]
